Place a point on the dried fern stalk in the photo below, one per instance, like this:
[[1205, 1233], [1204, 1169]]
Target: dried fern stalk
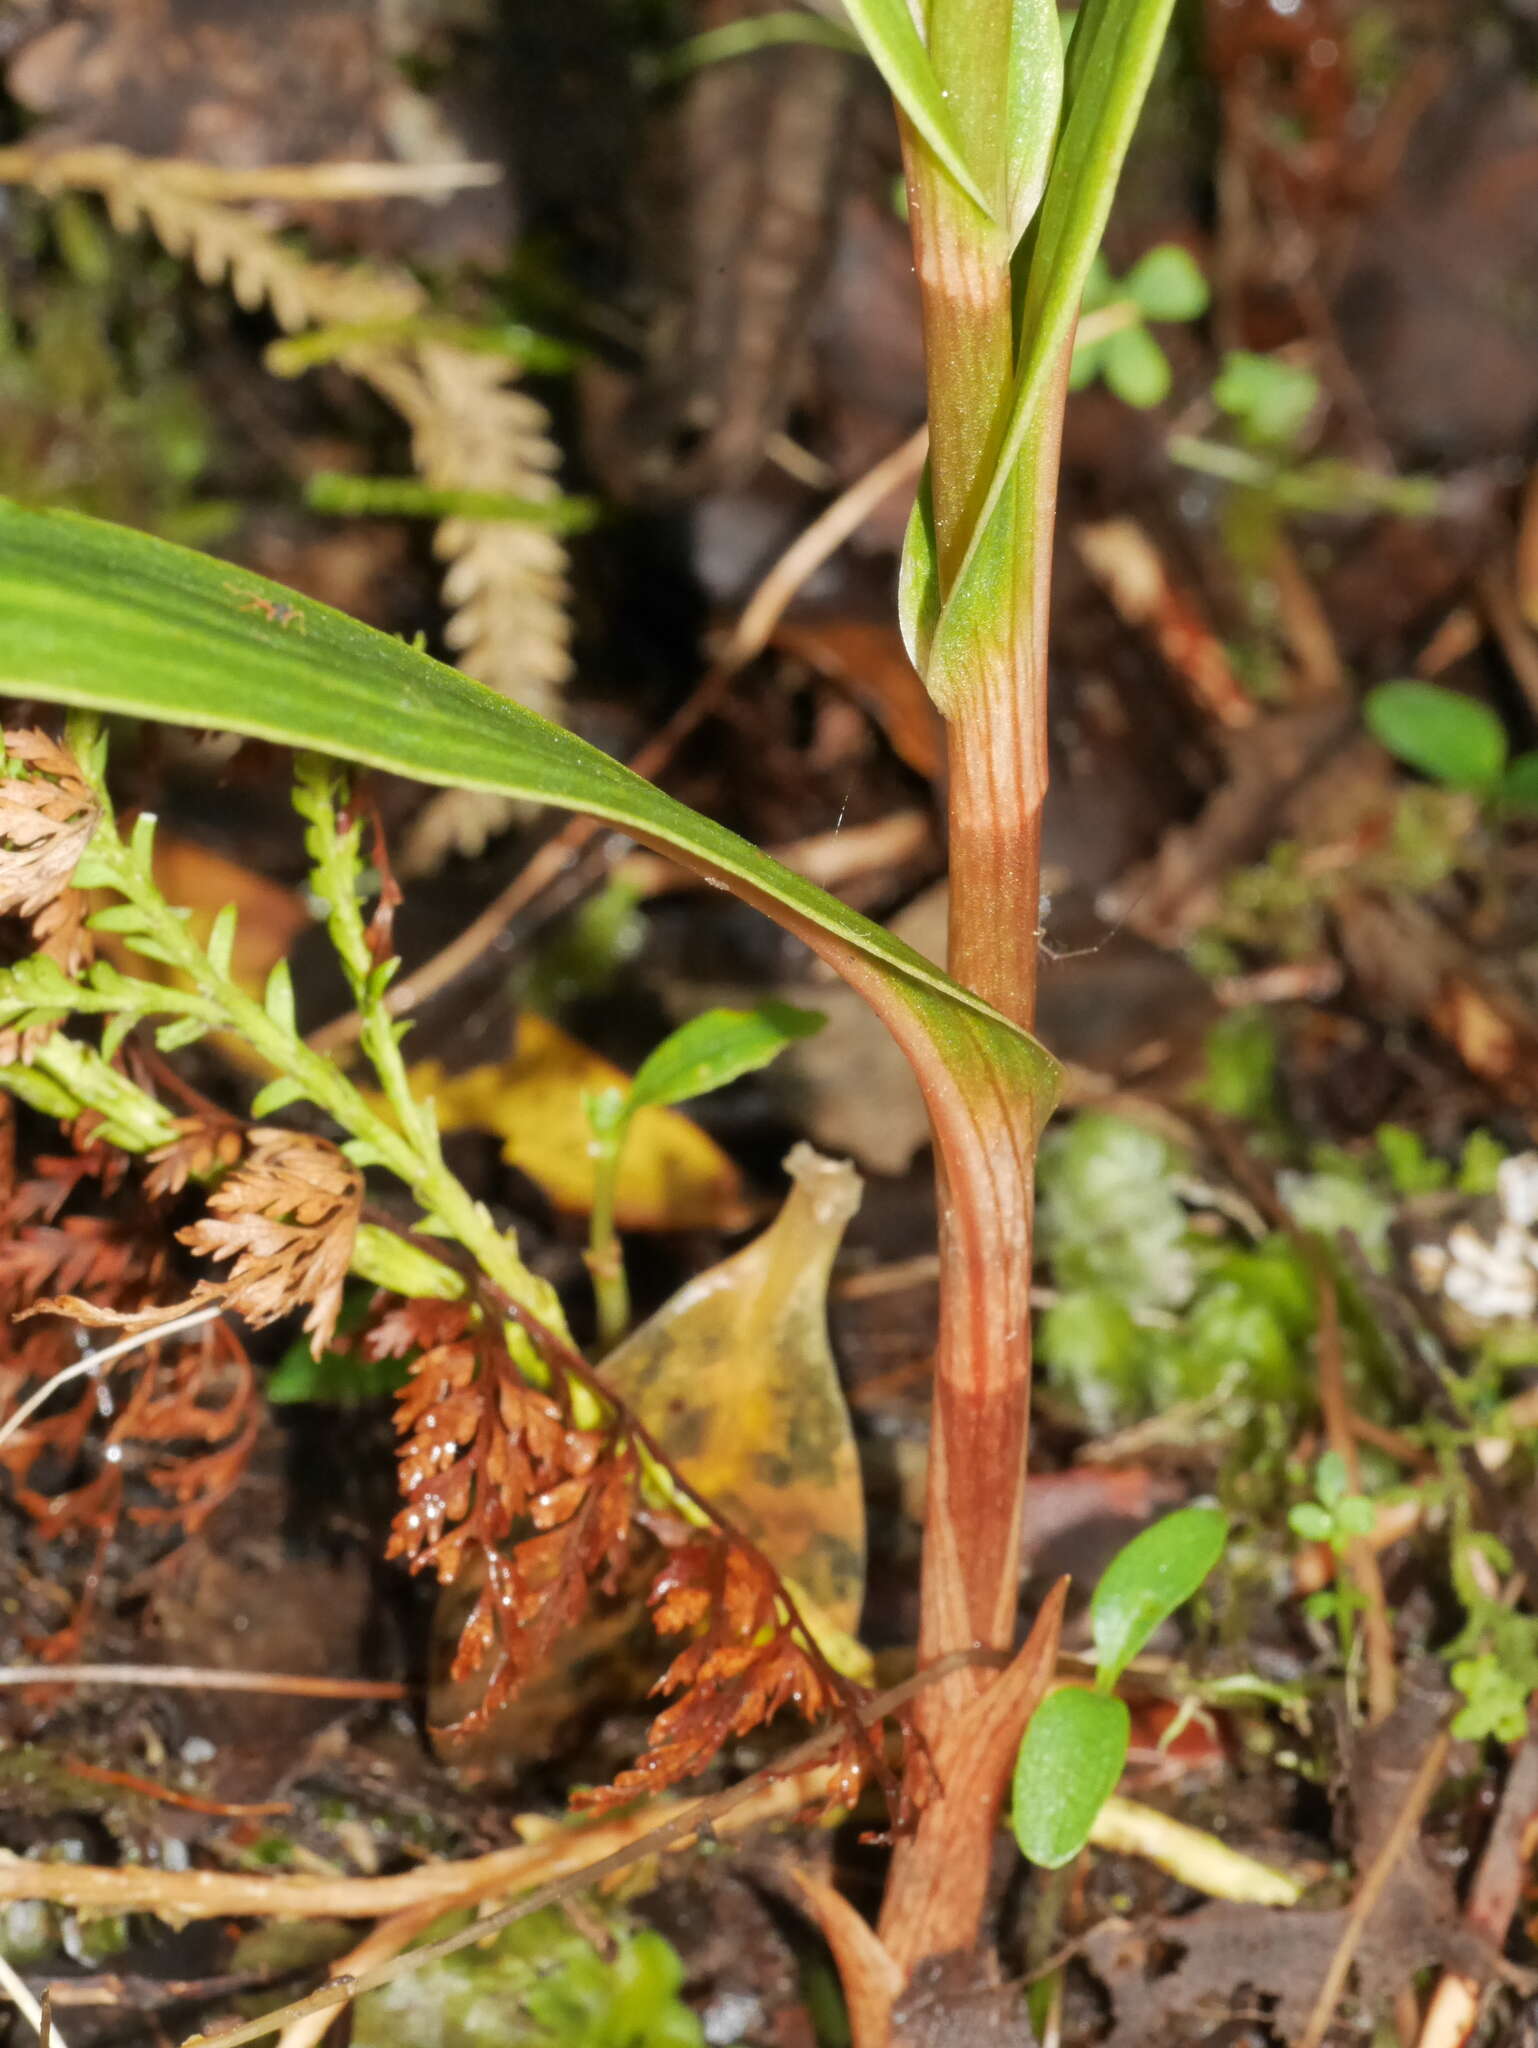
[[504, 584]]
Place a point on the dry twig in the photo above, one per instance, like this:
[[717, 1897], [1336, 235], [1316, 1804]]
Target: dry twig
[[1454, 2009], [1371, 1888], [37, 2016]]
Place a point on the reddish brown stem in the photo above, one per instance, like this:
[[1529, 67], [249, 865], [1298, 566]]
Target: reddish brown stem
[[997, 744]]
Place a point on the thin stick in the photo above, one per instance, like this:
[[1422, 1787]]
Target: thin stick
[[380, 1945], [40, 2021], [1406, 1822], [1493, 1898], [1499, 601], [94, 1361], [738, 1806], [193, 1678], [233, 183], [762, 613]]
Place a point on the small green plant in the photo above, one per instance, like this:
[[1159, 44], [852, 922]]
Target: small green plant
[[1268, 404], [1337, 1517], [1493, 1658], [1268, 399], [1076, 1745], [1114, 343], [1455, 740], [538, 1984], [1150, 1313], [707, 1053], [96, 410]]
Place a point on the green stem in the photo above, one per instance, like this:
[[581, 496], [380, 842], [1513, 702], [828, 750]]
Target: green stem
[[605, 1254]]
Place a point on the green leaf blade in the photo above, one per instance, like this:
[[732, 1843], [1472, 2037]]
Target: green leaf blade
[[103, 618], [1452, 738], [1069, 1764], [887, 31], [1148, 1579], [918, 577], [716, 1048], [1110, 63], [1033, 105]]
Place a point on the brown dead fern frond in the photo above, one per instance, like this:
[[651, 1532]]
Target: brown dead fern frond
[[287, 1218], [501, 1483], [179, 1429], [495, 1470], [504, 583], [47, 815]]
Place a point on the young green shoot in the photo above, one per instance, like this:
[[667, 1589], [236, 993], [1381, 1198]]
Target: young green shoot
[[707, 1053], [1076, 1745]]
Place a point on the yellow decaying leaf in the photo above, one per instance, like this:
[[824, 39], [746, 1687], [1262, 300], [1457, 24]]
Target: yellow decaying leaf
[[735, 1378], [672, 1177]]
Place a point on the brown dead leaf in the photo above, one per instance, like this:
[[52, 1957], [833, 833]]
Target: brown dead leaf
[[287, 1218], [867, 660], [99, 1316]]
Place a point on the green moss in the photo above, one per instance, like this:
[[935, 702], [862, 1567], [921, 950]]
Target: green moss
[[96, 411], [537, 1984]]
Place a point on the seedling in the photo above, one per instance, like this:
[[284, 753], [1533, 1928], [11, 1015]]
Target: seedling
[[707, 1053], [1113, 341], [1076, 1745], [1269, 403], [1337, 1517], [1455, 740]]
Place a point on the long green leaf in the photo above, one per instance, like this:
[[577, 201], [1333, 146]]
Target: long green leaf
[[97, 615], [1110, 64], [887, 31], [1035, 98]]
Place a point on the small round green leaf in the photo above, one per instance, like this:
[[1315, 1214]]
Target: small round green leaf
[[1136, 368], [1270, 398], [1312, 1522], [1146, 1581], [1069, 1765], [1167, 284], [1519, 788], [1452, 738]]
